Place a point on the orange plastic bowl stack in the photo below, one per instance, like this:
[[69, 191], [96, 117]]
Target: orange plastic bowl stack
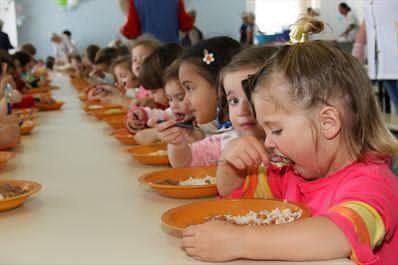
[[177, 219], [180, 174], [125, 138], [47, 107], [142, 154], [5, 157], [27, 127], [13, 202]]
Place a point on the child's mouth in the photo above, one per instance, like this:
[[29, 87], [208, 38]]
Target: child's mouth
[[179, 116], [280, 160]]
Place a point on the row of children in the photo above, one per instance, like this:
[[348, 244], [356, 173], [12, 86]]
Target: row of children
[[20, 75], [305, 128]]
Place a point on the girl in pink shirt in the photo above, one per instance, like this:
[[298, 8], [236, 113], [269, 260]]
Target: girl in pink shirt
[[316, 106]]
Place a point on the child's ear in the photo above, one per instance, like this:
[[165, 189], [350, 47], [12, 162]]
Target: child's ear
[[330, 122]]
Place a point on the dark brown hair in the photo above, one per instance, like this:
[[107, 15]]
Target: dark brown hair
[[91, 52], [106, 56], [154, 66], [29, 48], [249, 58]]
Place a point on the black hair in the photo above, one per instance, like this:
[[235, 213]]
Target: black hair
[[67, 33], [345, 6], [106, 56]]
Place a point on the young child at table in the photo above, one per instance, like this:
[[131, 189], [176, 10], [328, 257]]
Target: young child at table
[[88, 59], [198, 73], [9, 129], [152, 78], [317, 108], [102, 66], [140, 50]]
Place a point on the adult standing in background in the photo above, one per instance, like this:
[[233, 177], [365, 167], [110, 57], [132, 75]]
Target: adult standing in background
[[194, 35], [60, 49], [70, 44], [380, 32], [351, 23], [243, 28], [5, 43], [162, 19]]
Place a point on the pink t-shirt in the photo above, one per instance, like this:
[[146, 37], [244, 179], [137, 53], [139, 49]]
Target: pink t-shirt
[[207, 152], [362, 199], [142, 92]]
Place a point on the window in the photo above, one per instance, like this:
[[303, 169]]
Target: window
[[8, 15], [275, 16]]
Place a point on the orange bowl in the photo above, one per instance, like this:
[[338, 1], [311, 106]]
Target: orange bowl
[[180, 174], [119, 112], [116, 123], [111, 113], [95, 108], [38, 90], [13, 202], [145, 154], [27, 127], [177, 219], [46, 107], [125, 138], [83, 97], [5, 157], [79, 83], [11, 145]]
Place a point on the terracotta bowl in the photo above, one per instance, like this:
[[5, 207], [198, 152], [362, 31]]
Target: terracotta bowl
[[13, 202], [5, 157], [47, 107], [125, 138], [27, 127], [143, 154], [177, 219], [180, 174]]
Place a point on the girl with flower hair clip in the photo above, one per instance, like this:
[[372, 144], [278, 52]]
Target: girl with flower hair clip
[[316, 106]]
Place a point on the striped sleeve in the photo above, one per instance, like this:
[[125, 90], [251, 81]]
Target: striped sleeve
[[255, 186], [363, 226]]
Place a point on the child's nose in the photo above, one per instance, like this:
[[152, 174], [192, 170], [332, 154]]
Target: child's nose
[[269, 143], [244, 108]]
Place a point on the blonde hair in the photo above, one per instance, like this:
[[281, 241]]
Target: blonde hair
[[319, 73]]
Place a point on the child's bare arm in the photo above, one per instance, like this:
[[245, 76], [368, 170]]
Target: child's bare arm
[[316, 238], [146, 136], [180, 155], [238, 157]]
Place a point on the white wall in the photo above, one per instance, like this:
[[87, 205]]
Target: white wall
[[218, 17], [93, 21]]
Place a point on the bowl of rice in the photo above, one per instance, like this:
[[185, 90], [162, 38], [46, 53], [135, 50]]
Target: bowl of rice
[[150, 154], [238, 212], [14, 193], [183, 183]]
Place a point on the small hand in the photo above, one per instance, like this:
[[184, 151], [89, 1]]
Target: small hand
[[214, 241]]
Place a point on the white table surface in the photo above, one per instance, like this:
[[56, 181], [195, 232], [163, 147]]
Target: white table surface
[[91, 210]]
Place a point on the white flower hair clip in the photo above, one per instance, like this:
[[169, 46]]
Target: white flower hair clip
[[208, 57]]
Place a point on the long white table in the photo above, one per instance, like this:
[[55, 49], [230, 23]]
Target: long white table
[[91, 210]]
